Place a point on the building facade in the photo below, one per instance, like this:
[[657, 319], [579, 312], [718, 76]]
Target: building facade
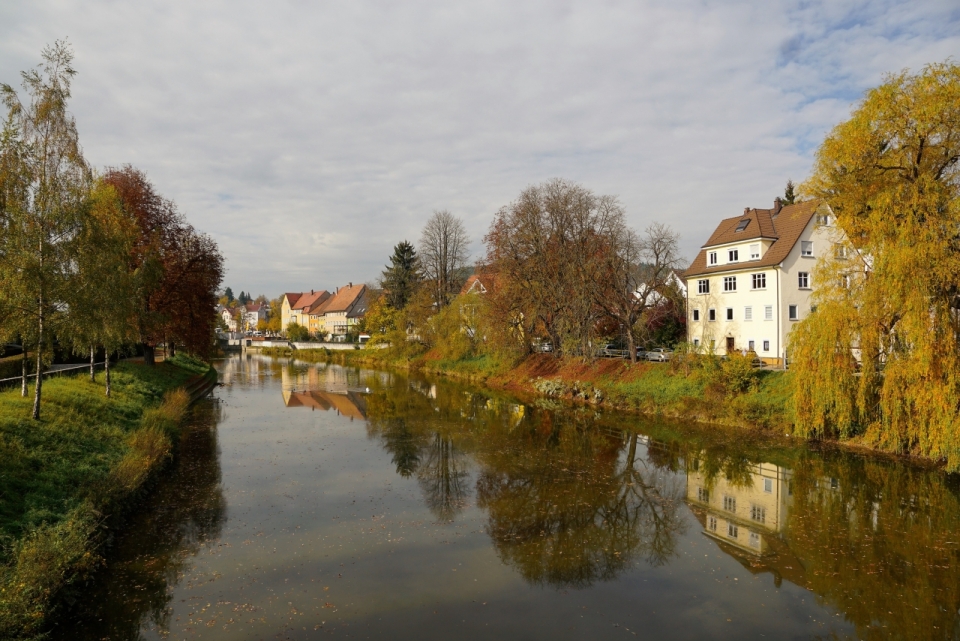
[[752, 281]]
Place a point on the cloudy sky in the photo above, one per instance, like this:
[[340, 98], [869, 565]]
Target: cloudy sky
[[309, 137]]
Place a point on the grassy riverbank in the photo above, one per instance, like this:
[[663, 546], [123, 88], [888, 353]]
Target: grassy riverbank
[[65, 477], [700, 389]]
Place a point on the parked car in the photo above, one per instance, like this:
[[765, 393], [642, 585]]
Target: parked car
[[660, 354], [611, 350], [541, 346]]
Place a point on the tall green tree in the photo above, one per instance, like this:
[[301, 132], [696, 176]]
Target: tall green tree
[[101, 301], [46, 181], [789, 195], [890, 290], [402, 276]]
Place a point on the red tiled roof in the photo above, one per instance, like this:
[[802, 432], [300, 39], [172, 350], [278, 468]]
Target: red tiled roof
[[784, 226], [309, 300], [292, 298], [344, 299]]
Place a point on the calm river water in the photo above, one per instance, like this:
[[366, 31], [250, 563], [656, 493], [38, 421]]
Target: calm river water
[[315, 499]]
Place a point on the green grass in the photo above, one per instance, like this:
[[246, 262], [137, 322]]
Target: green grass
[[62, 475]]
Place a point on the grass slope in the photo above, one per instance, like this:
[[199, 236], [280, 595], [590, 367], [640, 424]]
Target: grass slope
[[60, 477]]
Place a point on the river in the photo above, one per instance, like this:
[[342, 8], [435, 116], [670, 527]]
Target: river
[[313, 499]]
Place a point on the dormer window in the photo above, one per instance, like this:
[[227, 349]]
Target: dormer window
[[755, 252], [733, 255], [743, 224], [712, 258]]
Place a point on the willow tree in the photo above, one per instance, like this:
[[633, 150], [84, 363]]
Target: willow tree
[[47, 180], [889, 292]]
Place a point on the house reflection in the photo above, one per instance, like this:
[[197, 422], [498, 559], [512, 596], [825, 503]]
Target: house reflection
[[748, 517], [324, 389], [742, 513]]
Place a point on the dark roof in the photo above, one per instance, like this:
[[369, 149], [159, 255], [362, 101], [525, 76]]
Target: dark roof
[[292, 298], [783, 226]]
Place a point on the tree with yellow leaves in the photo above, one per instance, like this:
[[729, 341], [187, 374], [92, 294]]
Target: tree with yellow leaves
[[889, 292]]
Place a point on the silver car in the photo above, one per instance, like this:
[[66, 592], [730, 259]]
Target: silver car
[[659, 354]]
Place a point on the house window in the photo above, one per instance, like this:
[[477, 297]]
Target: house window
[[696, 315], [845, 281], [840, 251], [768, 485], [712, 523], [803, 280], [729, 283], [759, 281], [696, 342], [755, 252], [768, 312], [730, 504], [733, 255], [729, 313], [766, 346], [742, 224], [823, 219], [703, 495], [755, 540], [750, 345], [703, 286], [712, 258], [732, 530], [748, 313], [792, 312], [806, 248], [713, 344], [712, 315], [758, 513]]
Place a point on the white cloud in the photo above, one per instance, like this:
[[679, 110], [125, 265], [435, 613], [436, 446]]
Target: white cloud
[[309, 139]]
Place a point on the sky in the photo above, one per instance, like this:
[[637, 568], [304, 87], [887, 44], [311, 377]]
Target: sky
[[308, 137]]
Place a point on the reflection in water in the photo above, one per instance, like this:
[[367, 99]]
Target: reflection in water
[[570, 498], [187, 513]]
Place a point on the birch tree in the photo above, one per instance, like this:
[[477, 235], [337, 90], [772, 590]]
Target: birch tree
[[46, 180]]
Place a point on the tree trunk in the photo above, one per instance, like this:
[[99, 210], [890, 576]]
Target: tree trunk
[[171, 349], [23, 381], [106, 369], [39, 385], [632, 346], [93, 363], [149, 355]]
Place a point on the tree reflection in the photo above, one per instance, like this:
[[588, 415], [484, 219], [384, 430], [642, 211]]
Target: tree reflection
[[186, 512], [443, 478], [567, 510]]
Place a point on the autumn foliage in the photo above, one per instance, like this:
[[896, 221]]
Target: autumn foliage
[[888, 295]]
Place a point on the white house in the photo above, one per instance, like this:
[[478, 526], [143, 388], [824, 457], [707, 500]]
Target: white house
[[253, 313], [752, 280]]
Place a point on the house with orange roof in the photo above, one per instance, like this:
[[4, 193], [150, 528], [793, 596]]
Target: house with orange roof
[[342, 313], [296, 307], [752, 280]]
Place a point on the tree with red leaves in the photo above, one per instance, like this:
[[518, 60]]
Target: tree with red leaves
[[177, 269]]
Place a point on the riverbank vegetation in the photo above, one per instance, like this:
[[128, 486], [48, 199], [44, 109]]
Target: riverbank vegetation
[[66, 479], [90, 260]]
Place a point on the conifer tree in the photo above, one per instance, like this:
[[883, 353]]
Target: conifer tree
[[402, 276]]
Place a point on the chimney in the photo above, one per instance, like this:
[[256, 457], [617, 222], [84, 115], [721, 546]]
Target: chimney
[[311, 292], [351, 284], [777, 205], [746, 211]]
